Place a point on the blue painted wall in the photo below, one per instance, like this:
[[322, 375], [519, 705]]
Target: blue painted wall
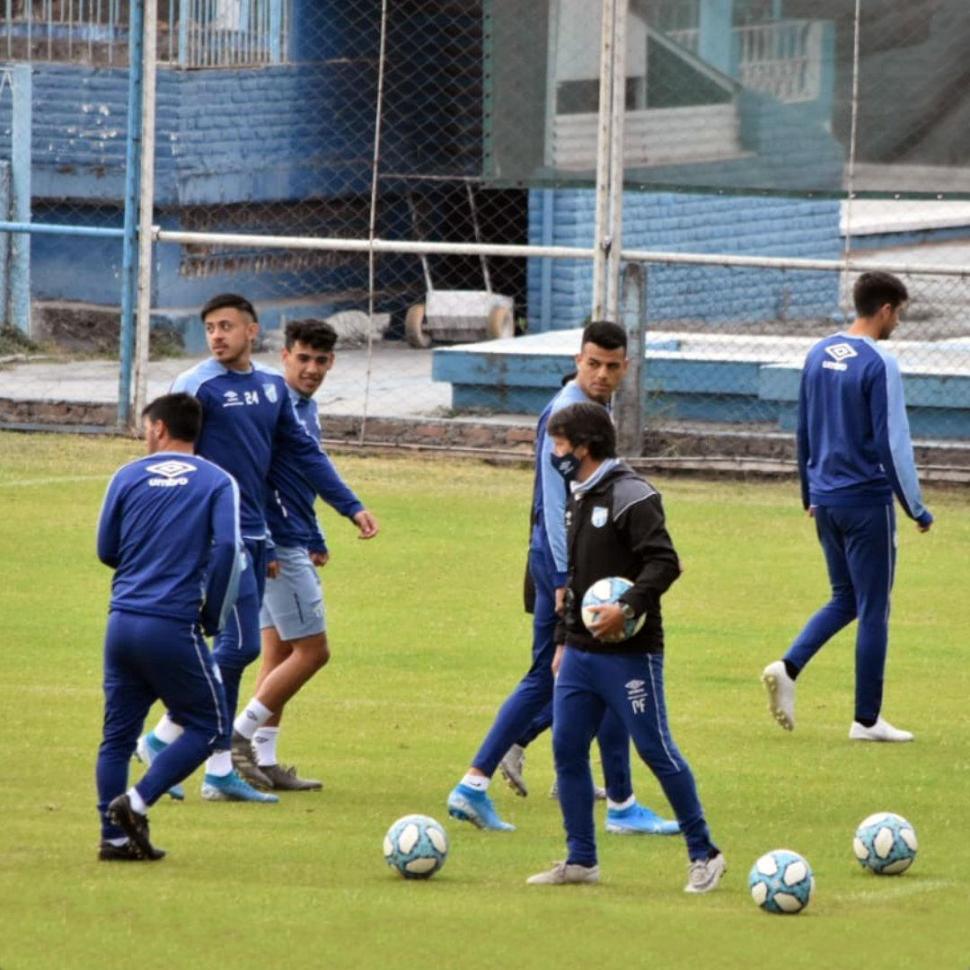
[[693, 223]]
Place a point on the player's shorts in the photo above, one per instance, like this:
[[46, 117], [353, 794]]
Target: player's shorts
[[293, 602]]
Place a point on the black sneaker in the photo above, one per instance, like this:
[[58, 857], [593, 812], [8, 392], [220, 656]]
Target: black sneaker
[[245, 764], [135, 826], [284, 778], [108, 852]]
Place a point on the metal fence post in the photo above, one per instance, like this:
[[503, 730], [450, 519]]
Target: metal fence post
[[146, 210], [129, 258], [609, 162], [628, 405], [18, 313]]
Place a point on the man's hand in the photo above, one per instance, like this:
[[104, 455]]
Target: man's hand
[[366, 523], [272, 568], [560, 600], [609, 623], [557, 659], [921, 527], [319, 558]]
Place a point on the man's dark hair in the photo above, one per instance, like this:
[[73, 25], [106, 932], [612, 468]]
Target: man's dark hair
[[317, 334], [609, 336], [585, 424], [180, 413], [874, 290], [228, 300]]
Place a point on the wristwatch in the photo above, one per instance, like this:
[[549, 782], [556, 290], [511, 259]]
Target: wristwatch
[[628, 611]]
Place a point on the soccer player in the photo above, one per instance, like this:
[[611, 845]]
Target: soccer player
[[248, 420], [169, 528], [854, 453], [293, 619], [600, 366], [615, 527]]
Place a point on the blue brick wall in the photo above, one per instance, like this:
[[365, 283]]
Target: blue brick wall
[[692, 223]]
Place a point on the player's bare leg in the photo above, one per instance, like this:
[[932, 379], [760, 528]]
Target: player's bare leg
[[286, 666]]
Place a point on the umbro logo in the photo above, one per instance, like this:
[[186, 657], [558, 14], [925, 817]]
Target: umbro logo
[[840, 352], [231, 400], [169, 473], [632, 685], [171, 469]]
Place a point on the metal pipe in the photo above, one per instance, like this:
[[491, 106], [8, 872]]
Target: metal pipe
[[54, 229], [146, 206], [552, 252], [21, 154], [129, 256], [601, 229]]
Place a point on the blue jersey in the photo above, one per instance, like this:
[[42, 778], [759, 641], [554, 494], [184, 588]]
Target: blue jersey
[[248, 419], [549, 488], [289, 511], [854, 446], [169, 528]]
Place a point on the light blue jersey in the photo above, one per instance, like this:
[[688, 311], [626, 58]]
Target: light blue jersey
[[854, 447], [549, 489]]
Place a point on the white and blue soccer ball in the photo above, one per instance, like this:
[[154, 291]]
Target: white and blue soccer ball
[[416, 846], [605, 591], [885, 844], [782, 882]]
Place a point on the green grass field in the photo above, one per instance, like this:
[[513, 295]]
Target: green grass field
[[428, 637]]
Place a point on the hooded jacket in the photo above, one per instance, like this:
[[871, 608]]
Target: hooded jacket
[[615, 527]]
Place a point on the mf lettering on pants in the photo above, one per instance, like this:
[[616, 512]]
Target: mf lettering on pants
[[637, 693]]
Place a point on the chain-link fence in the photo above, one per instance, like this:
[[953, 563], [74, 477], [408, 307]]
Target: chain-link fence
[[372, 162]]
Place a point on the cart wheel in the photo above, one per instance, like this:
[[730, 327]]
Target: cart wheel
[[500, 323], [414, 327]]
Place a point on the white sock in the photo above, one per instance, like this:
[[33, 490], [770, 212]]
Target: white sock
[[253, 716], [123, 840], [167, 730], [477, 782], [632, 800], [137, 802], [264, 741], [219, 764]]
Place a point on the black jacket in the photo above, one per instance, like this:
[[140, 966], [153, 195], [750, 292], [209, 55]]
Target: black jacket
[[615, 527]]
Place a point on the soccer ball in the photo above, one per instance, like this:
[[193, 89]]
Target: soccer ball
[[609, 591], [781, 882], [885, 844], [416, 846]]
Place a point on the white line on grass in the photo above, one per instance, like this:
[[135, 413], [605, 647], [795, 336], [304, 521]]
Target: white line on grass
[[29, 482], [908, 887]]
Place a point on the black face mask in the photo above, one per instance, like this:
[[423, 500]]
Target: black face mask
[[566, 465]]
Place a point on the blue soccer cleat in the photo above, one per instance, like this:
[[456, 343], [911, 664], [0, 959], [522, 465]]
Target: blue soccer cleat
[[232, 788], [147, 749], [638, 820], [468, 805]]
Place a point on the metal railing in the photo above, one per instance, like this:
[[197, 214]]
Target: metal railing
[[191, 33], [781, 59]]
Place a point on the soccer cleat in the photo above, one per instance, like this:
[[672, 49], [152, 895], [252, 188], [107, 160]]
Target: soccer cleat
[[563, 873], [512, 766], [468, 805], [599, 794], [135, 826], [284, 778], [781, 694], [147, 749], [638, 820], [245, 764], [232, 788], [880, 731], [703, 875], [127, 852]]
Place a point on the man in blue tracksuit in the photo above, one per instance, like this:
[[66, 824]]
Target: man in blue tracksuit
[[854, 454], [600, 366], [248, 420], [169, 528], [614, 661]]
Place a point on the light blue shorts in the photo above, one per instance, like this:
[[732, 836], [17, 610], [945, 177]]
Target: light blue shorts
[[293, 602]]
